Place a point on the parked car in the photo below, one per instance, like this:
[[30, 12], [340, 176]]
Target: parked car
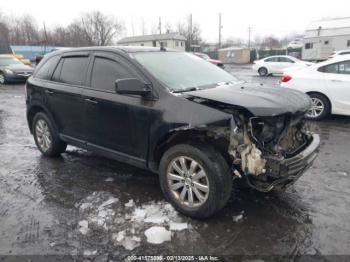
[[341, 52], [197, 126], [277, 64], [13, 70], [296, 44], [327, 83], [207, 58]]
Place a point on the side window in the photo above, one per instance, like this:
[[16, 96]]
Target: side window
[[105, 72], [332, 68], [344, 68], [271, 59], [56, 75], [73, 70], [45, 71], [285, 60], [309, 45]]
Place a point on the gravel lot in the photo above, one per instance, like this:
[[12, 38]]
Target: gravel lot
[[82, 204]]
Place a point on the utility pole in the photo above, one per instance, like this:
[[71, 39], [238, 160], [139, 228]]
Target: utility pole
[[190, 32], [160, 26], [220, 27], [249, 33], [45, 34]]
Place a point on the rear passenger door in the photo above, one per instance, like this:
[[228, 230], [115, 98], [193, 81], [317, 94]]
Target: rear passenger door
[[117, 125], [64, 96]]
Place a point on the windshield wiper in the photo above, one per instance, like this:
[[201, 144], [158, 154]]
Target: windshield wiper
[[186, 90]]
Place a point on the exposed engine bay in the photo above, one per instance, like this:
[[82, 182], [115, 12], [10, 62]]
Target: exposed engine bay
[[260, 147]]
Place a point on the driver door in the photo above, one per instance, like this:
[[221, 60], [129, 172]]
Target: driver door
[[117, 125]]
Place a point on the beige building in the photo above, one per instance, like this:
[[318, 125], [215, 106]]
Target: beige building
[[235, 55], [171, 40]]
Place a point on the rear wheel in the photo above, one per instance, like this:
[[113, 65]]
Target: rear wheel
[[320, 107], [46, 139], [195, 179], [263, 71]]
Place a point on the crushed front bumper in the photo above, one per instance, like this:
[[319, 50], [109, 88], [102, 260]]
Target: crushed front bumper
[[282, 173]]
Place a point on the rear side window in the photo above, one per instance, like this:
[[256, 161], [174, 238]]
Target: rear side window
[[45, 71], [105, 72], [73, 70], [272, 59], [285, 60], [338, 68]]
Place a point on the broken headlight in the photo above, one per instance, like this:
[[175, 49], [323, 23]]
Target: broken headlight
[[265, 130]]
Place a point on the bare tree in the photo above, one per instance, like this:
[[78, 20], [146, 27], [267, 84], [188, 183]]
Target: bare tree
[[98, 28], [191, 33]]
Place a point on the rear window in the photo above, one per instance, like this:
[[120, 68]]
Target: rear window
[[73, 70], [46, 70]]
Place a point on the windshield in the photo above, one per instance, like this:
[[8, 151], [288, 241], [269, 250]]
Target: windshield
[[181, 71], [9, 61]]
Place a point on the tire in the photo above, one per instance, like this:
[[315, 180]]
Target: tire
[[322, 103], [263, 71], [217, 179], [2, 79], [42, 124]]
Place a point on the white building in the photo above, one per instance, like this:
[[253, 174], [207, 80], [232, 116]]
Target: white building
[[171, 40], [325, 36]]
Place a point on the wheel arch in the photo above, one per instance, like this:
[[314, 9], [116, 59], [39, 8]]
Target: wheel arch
[[33, 110], [191, 137], [322, 94]]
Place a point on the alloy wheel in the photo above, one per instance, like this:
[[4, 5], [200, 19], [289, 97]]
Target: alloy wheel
[[316, 109], [188, 181], [43, 135]]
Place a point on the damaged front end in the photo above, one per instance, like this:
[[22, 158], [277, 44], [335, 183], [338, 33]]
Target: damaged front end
[[269, 152]]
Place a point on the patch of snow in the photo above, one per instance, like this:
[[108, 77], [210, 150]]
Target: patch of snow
[[109, 179], [129, 243], [157, 235], [130, 203], [89, 252], [83, 227], [177, 226], [108, 202], [119, 236], [139, 213], [238, 218], [342, 173]]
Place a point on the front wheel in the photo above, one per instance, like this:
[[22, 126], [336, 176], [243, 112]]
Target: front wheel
[[2, 79], [195, 179], [320, 107], [46, 139]]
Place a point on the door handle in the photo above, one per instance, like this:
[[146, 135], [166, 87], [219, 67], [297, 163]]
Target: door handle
[[91, 100], [50, 92]]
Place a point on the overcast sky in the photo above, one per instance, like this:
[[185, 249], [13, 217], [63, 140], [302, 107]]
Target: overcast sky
[[266, 17]]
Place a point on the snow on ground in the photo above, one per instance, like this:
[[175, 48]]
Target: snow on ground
[[128, 223]]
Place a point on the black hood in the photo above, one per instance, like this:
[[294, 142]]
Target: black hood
[[259, 100], [19, 68]]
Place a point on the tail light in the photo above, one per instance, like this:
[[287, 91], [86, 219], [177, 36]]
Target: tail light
[[286, 78]]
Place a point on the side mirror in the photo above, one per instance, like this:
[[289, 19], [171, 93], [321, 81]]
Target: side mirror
[[132, 86]]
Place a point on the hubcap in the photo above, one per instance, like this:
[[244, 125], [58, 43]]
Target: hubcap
[[316, 109], [43, 135], [188, 181]]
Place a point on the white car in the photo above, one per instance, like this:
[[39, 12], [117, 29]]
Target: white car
[[277, 64], [341, 52], [327, 83], [295, 44]]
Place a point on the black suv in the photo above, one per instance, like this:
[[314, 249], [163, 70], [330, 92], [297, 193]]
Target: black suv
[[197, 126]]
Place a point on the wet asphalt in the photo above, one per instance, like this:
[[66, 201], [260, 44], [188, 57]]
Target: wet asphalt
[[41, 201]]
